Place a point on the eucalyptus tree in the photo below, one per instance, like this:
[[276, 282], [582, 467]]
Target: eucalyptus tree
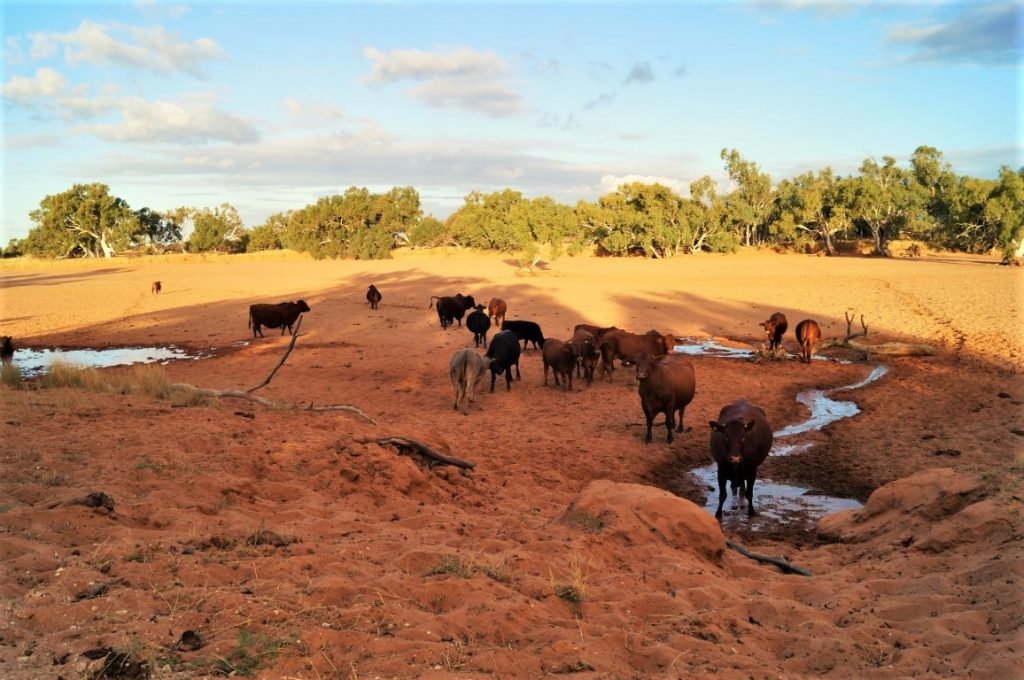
[[814, 204], [86, 220], [216, 229], [749, 206], [884, 200], [1005, 208]]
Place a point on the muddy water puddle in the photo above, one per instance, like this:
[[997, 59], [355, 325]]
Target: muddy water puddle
[[35, 362], [775, 502]]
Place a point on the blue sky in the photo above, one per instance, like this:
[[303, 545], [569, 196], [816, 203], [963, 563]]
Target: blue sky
[[268, 106]]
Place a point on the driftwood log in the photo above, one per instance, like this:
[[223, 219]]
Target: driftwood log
[[779, 562], [408, 443], [249, 396], [892, 349]]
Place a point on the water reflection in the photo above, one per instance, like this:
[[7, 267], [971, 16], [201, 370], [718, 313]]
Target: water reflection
[[34, 362]]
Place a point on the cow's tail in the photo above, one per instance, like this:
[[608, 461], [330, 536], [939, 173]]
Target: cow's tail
[[432, 298]]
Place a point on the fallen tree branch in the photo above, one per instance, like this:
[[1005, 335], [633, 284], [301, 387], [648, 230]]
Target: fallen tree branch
[[248, 396], [421, 448], [779, 562], [295, 336], [892, 349]]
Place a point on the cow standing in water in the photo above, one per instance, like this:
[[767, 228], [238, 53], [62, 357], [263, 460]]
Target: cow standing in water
[[774, 328], [808, 333], [740, 441]]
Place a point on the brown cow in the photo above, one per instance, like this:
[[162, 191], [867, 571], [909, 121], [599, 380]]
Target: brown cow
[[740, 441], [774, 328], [665, 386], [808, 333], [561, 358], [496, 310], [155, 288], [6, 350], [624, 345], [596, 331], [587, 351], [373, 296]]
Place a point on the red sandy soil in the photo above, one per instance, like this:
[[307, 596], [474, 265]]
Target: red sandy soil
[[296, 547]]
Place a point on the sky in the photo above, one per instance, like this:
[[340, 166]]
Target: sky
[[269, 106]]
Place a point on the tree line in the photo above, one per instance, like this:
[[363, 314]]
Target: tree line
[[926, 201]]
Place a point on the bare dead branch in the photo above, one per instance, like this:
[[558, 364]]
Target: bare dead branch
[[420, 447], [886, 348], [248, 396], [295, 336], [779, 562]]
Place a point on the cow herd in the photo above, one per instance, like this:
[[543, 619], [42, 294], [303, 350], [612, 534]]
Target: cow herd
[[740, 438]]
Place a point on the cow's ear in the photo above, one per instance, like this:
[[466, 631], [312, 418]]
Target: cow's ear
[[715, 426], [750, 426]]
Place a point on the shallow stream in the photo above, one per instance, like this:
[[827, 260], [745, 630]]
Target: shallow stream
[[783, 503]]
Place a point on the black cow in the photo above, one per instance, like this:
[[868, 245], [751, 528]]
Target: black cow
[[450, 309], [504, 354], [527, 331], [281, 315], [373, 296], [7, 350], [740, 441], [478, 322]]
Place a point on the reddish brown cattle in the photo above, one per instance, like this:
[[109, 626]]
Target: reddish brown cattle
[[624, 345], [496, 310], [561, 358], [587, 352], [665, 386], [596, 331], [774, 328], [740, 441], [808, 333]]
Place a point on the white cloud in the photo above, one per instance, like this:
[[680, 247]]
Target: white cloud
[[398, 65], [602, 100], [45, 83], [491, 98], [312, 112], [151, 48], [981, 34], [453, 79], [168, 122], [610, 183]]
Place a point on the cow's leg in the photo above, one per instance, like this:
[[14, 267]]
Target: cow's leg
[[508, 378], [679, 428], [750, 493], [650, 423], [723, 482], [485, 339], [494, 377], [518, 375], [546, 374], [669, 422], [569, 373]]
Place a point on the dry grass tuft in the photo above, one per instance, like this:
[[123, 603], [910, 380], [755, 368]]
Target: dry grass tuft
[[573, 586], [63, 374], [151, 380], [10, 375]]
